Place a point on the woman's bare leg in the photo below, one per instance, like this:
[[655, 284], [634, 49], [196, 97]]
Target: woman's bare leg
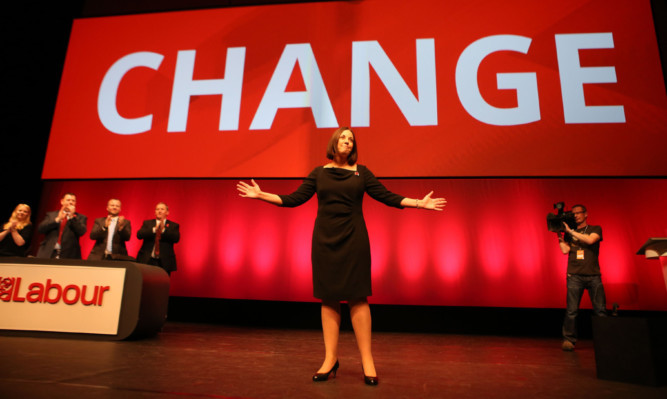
[[360, 314], [330, 331]]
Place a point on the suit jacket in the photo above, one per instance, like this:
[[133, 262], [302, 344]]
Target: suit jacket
[[170, 236], [73, 230], [100, 234]]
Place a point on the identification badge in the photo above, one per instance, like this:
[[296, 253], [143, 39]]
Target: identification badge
[[580, 254]]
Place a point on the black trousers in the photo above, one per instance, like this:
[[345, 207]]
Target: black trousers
[[158, 263]]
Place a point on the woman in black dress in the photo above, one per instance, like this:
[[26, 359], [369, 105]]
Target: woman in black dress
[[16, 233], [341, 256]]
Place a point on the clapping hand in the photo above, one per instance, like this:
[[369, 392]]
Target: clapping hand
[[63, 213]]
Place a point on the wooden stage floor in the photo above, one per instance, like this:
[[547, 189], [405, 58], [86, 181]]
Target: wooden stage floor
[[190, 360]]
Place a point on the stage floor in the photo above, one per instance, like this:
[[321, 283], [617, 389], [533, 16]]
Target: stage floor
[[214, 361]]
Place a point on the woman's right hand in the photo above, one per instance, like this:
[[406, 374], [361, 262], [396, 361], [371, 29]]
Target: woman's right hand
[[248, 191]]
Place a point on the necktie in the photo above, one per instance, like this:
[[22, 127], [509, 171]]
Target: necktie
[[62, 228], [158, 234]]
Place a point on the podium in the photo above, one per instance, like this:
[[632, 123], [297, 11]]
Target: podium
[[634, 349], [656, 248], [65, 298]]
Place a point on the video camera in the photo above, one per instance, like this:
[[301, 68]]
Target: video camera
[[555, 221]]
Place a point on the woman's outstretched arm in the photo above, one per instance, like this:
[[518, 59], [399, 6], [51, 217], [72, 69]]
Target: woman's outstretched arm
[[253, 191], [434, 204]]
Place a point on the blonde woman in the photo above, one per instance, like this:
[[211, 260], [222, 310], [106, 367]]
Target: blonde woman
[[16, 233]]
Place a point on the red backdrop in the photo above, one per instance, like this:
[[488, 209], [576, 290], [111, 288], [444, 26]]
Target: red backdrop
[[429, 76], [489, 247]]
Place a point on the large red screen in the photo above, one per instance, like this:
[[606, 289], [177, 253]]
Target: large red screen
[[432, 88], [501, 107]]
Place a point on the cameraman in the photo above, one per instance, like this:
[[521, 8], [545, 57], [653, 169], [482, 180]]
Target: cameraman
[[582, 246]]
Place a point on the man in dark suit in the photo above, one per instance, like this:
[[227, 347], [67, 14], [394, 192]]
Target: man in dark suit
[[63, 229], [110, 234], [159, 237]]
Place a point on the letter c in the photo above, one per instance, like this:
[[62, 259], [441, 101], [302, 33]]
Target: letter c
[[106, 99]]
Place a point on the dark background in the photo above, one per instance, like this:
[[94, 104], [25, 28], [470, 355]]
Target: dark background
[[34, 43]]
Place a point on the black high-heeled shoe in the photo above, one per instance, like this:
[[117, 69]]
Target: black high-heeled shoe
[[319, 377], [368, 380], [371, 380]]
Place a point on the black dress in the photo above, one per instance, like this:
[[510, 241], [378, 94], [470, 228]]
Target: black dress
[[9, 248], [341, 253]]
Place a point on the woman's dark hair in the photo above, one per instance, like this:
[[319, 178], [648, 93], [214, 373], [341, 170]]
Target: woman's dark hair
[[333, 145]]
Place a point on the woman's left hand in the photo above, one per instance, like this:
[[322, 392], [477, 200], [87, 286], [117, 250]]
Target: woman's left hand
[[435, 204]]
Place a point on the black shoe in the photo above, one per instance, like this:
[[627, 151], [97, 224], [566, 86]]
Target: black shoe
[[368, 380], [318, 377], [371, 380]]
